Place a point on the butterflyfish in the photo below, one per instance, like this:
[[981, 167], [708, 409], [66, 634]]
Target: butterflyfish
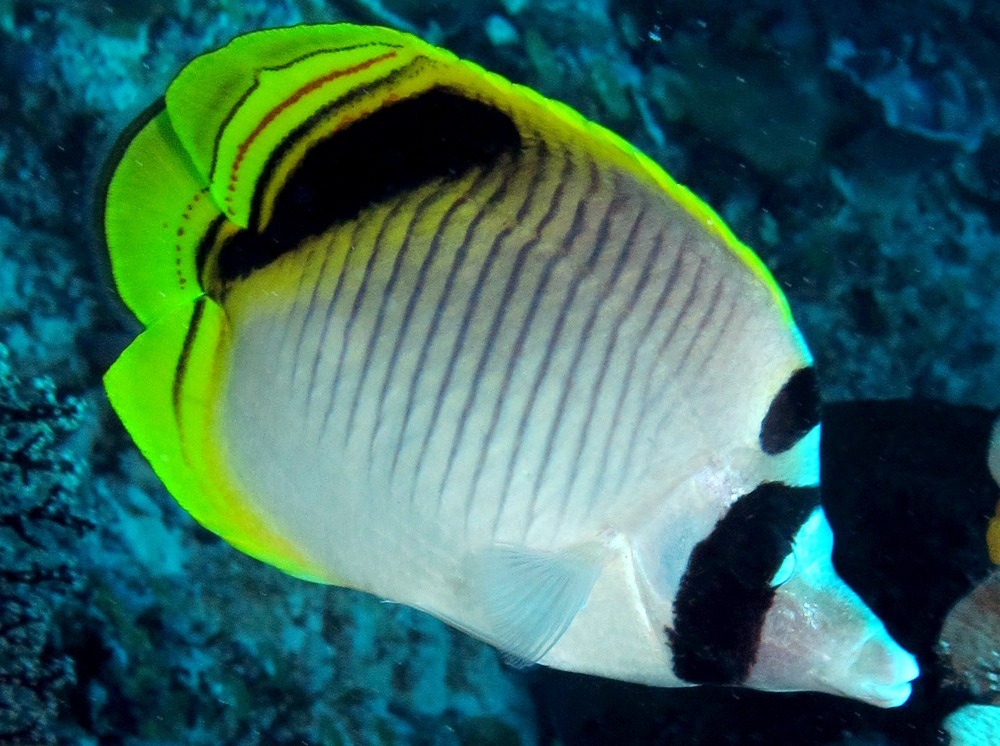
[[415, 330]]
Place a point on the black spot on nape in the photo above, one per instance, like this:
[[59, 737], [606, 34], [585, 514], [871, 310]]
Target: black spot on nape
[[725, 591], [439, 134], [792, 414]]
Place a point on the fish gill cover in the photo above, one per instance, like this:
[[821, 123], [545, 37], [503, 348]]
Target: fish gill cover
[[876, 206]]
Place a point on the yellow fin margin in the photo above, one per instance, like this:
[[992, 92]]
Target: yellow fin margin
[[171, 423]]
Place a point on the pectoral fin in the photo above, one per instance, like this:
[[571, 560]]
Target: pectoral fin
[[530, 597]]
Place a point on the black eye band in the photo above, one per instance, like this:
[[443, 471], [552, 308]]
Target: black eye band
[[725, 591]]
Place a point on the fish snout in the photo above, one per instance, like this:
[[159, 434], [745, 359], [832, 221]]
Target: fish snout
[[820, 635], [880, 673]]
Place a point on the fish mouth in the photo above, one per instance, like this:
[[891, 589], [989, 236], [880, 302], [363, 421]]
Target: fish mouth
[[882, 673], [885, 695]]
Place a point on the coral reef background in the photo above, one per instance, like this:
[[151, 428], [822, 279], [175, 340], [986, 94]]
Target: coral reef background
[[855, 145]]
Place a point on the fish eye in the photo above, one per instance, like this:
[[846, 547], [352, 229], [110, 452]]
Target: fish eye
[[784, 572]]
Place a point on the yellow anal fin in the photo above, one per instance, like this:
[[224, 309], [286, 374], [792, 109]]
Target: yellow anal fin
[[164, 388]]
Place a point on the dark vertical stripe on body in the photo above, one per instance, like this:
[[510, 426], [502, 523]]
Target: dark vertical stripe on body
[[577, 227], [311, 309], [515, 354], [679, 316], [609, 349], [723, 328], [293, 308], [645, 405], [359, 299], [627, 252], [374, 336], [710, 352], [470, 310], [498, 318], [459, 256], [457, 200], [667, 289], [331, 305], [615, 206], [707, 316]]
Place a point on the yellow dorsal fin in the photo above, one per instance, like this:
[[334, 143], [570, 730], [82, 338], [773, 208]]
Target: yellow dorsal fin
[[157, 210], [233, 108], [248, 113], [238, 121]]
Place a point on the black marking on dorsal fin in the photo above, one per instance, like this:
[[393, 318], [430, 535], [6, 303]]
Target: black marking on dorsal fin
[[725, 591], [435, 135], [794, 411]]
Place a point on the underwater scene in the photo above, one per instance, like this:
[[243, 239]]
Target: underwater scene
[[499, 372]]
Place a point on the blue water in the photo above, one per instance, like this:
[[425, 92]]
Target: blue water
[[855, 146]]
